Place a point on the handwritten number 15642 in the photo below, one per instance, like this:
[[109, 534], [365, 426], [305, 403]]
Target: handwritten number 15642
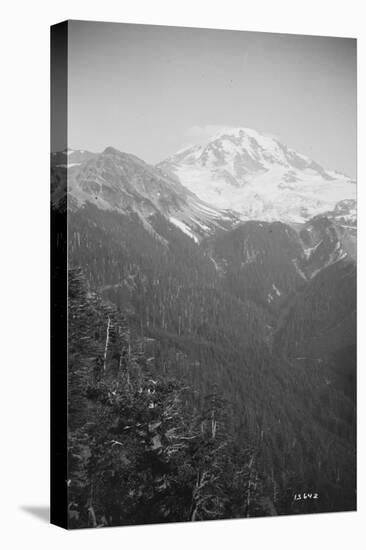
[[306, 496]]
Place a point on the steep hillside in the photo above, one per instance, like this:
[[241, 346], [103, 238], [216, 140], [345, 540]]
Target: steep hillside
[[321, 318], [259, 260]]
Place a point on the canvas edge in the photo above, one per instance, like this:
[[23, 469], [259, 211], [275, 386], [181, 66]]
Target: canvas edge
[[58, 254]]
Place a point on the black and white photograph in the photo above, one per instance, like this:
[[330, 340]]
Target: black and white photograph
[[183, 299], [205, 187]]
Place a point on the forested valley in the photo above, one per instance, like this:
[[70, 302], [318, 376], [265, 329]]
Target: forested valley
[[195, 389]]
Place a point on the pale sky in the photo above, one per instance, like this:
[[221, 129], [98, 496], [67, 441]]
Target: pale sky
[[152, 90]]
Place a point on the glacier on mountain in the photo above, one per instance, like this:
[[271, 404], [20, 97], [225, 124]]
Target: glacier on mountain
[[258, 177]]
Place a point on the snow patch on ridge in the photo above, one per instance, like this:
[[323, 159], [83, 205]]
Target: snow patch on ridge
[[276, 290], [308, 251], [183, 227]]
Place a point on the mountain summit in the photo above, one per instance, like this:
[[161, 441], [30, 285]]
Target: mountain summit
[[258, 177]]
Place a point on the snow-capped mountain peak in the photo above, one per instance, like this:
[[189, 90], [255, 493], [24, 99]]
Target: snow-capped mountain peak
[[257, 176]]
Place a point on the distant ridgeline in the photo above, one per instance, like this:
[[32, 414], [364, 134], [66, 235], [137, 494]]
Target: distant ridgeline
[[211, 360]]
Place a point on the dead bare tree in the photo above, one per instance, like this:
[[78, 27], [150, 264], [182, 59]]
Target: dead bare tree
[[106, 344], [200, 499]]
